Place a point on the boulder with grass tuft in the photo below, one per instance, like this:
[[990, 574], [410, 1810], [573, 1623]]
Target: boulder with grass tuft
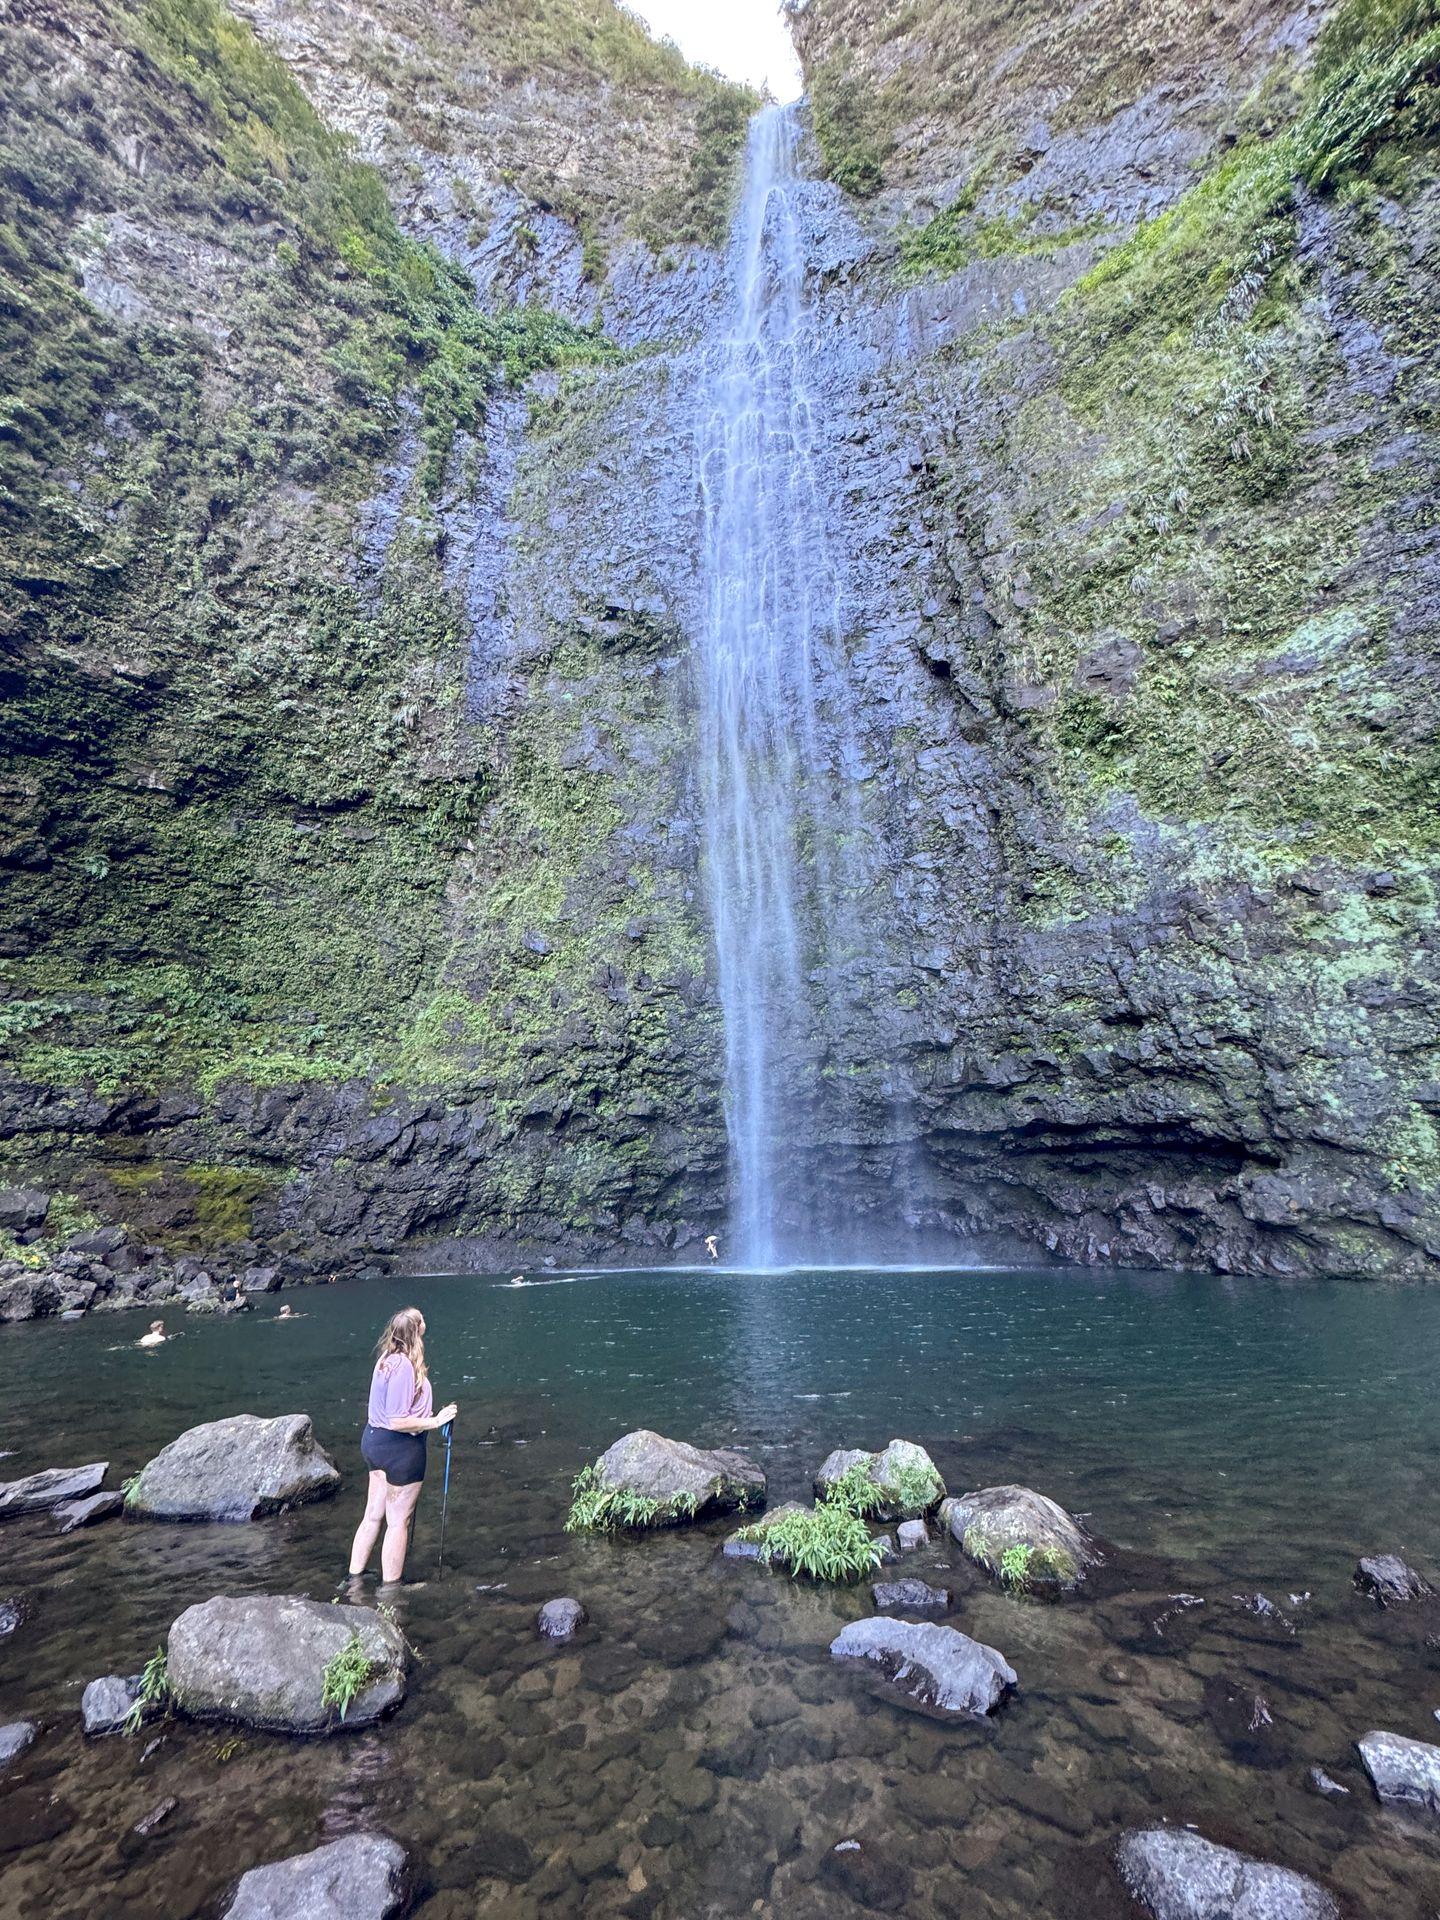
[[901, 1482], [1022, 1539], [645, 1480], [285, 1664]]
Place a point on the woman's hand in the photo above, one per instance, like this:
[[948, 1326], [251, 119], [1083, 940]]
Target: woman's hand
[[445, 1415]]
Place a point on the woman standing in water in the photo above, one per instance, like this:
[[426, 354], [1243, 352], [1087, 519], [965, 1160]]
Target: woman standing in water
[[393, 1443]]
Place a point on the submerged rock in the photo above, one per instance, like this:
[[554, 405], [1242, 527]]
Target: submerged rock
[[261, 1661], [936, 1666], [907, 1478], [108, 1702], [1386, 1578], [912, 1535], [561, 1619], [234, 1469], [1179, 1876], [910, 1596], [1403, 1772], [360, 1877], [39, 1490], [666, 1481], [1322, 1783], [1049, 1548], [15, 1738]]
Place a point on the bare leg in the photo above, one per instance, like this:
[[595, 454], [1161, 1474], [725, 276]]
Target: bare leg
[[399, 1512], [368, 1531]]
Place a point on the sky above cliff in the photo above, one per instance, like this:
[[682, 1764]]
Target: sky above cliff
[[744, 39]]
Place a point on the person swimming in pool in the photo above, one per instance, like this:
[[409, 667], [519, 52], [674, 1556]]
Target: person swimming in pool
[[392, 1444]]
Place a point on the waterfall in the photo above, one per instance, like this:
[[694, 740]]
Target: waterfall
[[778, 786]]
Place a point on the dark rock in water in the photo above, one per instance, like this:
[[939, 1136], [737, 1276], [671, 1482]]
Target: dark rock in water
[[1386, 1578], [15, 1738], [107, 1703], [936, 1666], [561, 1619], [33, 1817], [888, 1555], [48, 1489], [260, 1279], [1179, 1876], [907, 1479], [1322, 1783], [687, 1482], [993, 1519], [912, 1596], [88, 1512], [156, 1817], [234, 1469], [260, 1661], [494, 1855], [1404, 1773], [1243, 1721], [912, 1535], [361, 1877], [860, 1870]]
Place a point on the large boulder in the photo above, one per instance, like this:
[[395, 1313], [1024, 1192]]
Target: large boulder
[[907, 1480], [27, 1295], [261, 1661], [1021, 1538], [1178, 1876], [647, 1480], [360, 1877], [937, 1666], [1404, 1773], [48, 1489], [234, 1469]]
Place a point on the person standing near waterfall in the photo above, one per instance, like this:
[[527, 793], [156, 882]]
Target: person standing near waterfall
[[398, 1418]]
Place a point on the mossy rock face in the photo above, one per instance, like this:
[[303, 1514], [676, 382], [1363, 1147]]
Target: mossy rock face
[[906, 1480], [1023, 1539]]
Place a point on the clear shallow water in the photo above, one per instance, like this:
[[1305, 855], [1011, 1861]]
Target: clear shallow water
[[697, 1753]]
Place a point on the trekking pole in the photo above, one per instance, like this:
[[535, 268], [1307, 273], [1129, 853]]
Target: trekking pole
[[445, 1495]]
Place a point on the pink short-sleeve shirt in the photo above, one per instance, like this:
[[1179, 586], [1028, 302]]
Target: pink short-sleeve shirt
[[394, 1395]]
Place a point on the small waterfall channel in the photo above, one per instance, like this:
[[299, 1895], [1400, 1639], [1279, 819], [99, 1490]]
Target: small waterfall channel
[[783, 836]]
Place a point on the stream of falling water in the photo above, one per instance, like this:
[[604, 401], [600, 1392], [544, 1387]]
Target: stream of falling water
[[781, 819]]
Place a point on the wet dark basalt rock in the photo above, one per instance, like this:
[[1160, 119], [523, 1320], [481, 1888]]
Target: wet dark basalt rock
[[70, 1515], [560, 1619], [1387, 1579], [51, 1488], [910, 1596]]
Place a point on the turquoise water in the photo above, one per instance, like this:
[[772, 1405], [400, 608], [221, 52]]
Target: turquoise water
[[697, 1753]]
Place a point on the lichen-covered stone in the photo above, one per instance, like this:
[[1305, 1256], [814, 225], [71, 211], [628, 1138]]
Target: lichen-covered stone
[[261, 1662], [1049, 1549], [1403, 1772], [1178, 1875]]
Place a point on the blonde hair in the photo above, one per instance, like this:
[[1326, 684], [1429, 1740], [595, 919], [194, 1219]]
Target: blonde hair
[[402, 1335]]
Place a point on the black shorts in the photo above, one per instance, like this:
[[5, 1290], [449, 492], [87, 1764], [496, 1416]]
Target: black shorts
[[399, 1456]]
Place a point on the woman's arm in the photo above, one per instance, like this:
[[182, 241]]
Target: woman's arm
[[427, 1424]]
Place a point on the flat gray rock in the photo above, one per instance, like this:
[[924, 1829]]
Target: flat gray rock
[[236, 1469], [716, 1480], [106, 1703], [912, 1535], [39, 1490], [936, 1666], [560, 1619], [88, 1512], [361, 1877], [260, 1661], [910, 1596], [15, 1738], [1403, 1772], [986, 1523], [1178, 1876]]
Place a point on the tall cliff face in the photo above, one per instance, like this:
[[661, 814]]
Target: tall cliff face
[[353, 891]]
